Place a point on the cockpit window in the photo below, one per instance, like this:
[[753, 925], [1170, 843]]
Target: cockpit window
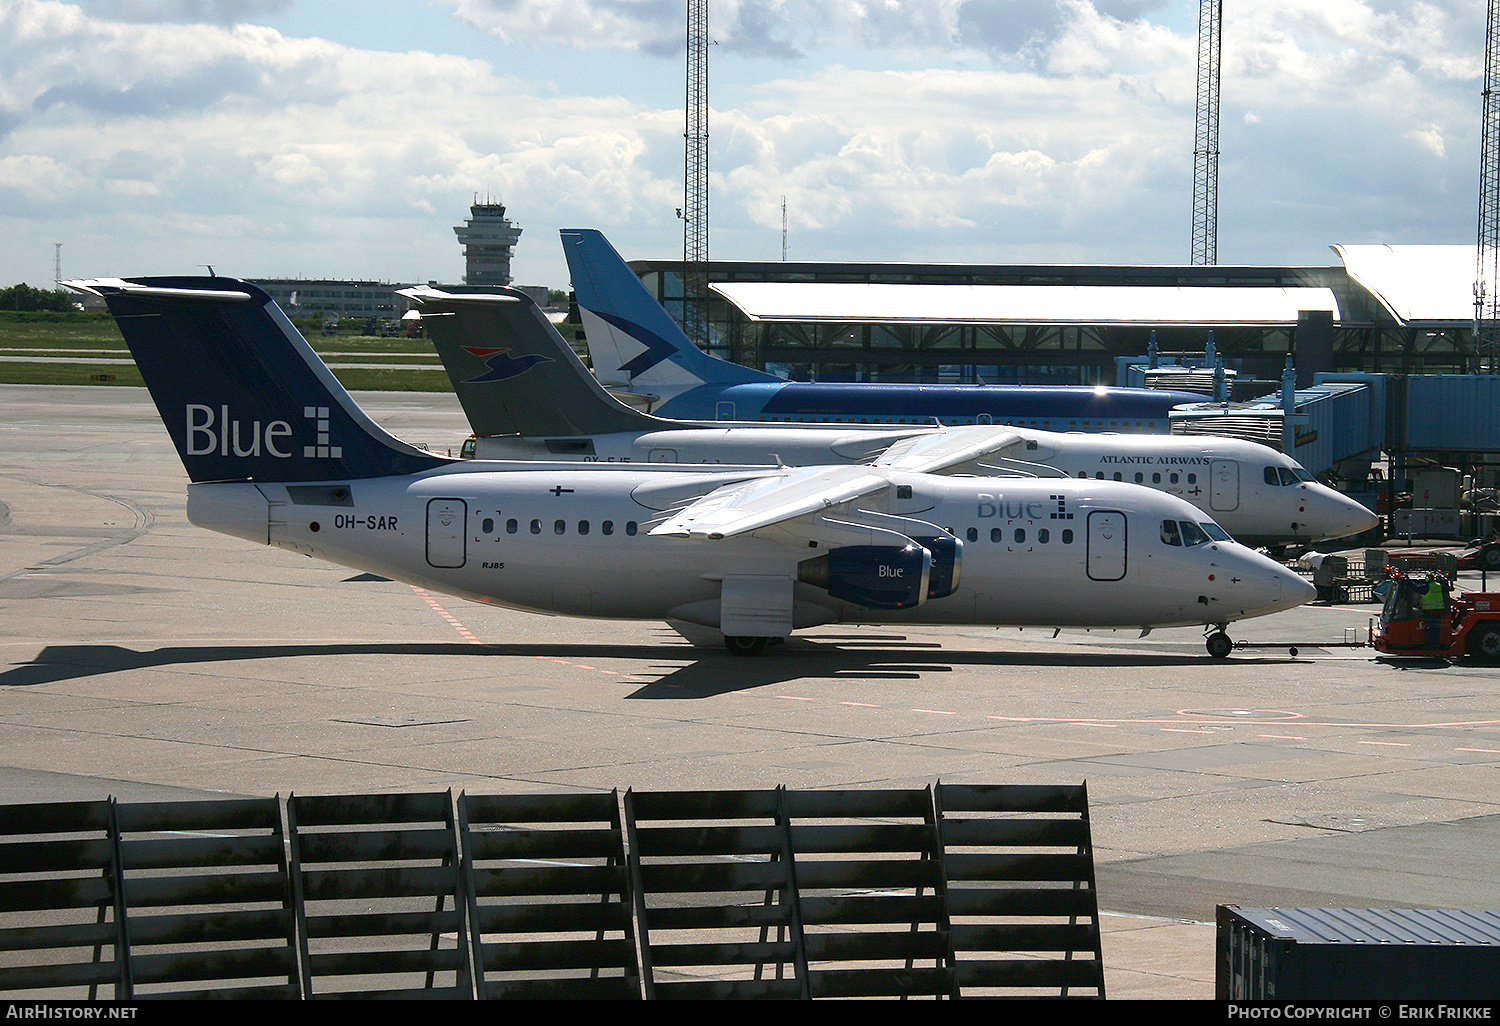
[[1281, 477], [1215, 532], [1192, 534], [1185, 532]]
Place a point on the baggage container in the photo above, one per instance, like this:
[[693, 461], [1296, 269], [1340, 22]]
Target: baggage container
[[1292, 954]]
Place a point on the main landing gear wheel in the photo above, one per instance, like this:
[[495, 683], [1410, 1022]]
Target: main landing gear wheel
[[742, 646], [1219, 645]]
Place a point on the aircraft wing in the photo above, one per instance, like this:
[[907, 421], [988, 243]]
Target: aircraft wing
[[748, 506], [944, 450]]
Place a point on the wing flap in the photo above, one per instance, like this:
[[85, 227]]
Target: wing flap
[[748, 506]]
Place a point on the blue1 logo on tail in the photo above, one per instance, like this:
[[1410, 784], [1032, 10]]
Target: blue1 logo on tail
[[211, 432]]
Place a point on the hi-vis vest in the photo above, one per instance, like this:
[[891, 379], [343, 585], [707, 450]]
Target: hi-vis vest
[[1432, 596]]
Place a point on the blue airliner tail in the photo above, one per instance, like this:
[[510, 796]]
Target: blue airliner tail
[[242, 394], [634, 344]]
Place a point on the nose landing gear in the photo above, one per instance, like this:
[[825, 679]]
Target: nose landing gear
[[1218, 643]]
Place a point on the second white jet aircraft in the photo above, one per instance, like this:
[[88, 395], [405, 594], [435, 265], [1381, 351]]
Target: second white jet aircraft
[[528, 396]]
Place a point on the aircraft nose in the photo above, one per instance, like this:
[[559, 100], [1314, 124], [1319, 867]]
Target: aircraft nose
[[1293, 591], [1331, 514], [1257, 585]]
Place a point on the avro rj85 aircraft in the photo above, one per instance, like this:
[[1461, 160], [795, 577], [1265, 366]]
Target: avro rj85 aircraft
[[638, 351], [528, 396], [277, 453]]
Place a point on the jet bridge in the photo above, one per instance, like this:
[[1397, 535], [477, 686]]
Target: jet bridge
[[1344, 421], [1320, 426]]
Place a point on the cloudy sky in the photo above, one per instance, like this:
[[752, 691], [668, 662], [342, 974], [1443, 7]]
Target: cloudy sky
[[281, 138]]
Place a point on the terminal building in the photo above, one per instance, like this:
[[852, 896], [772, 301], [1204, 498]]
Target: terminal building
[[1379, 309]]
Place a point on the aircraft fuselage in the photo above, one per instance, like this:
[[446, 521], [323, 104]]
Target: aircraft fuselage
[[575, 541]]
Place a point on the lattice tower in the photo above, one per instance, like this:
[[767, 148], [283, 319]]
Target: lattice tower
[[1206, 136], [695, 177], [1487, 275]]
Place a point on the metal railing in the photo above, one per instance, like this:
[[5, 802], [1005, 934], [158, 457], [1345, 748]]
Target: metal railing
[[942, 892]]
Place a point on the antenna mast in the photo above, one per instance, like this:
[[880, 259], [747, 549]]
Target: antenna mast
[[1487, 275], [1206, 136], [695, 178]]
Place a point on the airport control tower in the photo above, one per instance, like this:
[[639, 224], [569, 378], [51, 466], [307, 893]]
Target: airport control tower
[[487, 237]]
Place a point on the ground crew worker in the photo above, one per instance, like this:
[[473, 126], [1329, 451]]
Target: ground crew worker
[[1434, 599]]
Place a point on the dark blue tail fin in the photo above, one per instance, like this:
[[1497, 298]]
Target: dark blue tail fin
[[242, 394]]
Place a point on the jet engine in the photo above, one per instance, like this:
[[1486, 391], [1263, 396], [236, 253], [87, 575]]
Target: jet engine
[[947, 556], [874, 576]]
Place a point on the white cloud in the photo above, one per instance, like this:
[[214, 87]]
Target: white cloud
[[999, 130]]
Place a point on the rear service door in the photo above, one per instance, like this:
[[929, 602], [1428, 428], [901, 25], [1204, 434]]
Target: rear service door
[[1106, 555], [447, 525]]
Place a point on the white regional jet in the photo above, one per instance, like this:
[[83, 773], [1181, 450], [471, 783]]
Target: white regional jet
[[528, 396], [278, 453]]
